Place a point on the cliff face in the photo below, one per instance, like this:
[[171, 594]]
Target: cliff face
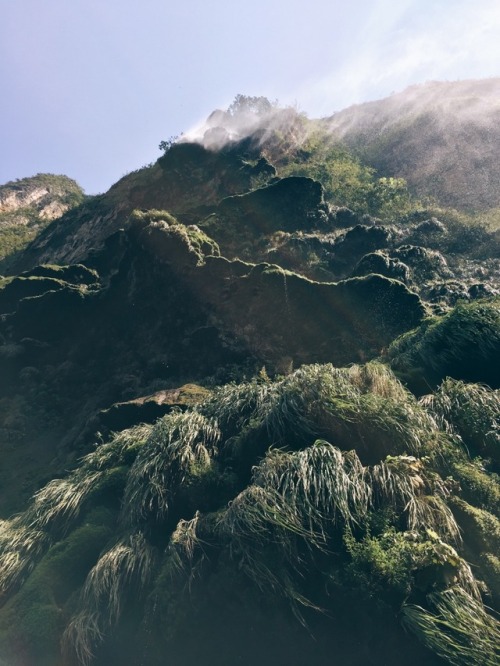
[[28, 205], [189, 182], [50, 196], [208, 453]]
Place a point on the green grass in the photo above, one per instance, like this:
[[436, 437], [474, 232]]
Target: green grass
[[457, 628], [463, 344], [326, 479], [126, 567]]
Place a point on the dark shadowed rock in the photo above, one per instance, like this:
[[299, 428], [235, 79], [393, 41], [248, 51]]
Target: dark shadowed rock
[[425, 264], [381, 263], [355, 243], [275, 313], [345, 217]]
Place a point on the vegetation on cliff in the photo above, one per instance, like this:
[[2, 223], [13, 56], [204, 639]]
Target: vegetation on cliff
[[250, 413]]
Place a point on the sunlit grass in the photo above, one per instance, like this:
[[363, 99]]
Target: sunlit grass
[[458, 628]]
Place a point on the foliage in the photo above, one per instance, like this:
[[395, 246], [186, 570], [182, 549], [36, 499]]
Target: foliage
[[463, 344], [165, 145], [130, 562], [470, 412], [401, 562], [346, 180], [333, 481], [178, 443], [246, 104], [458, 628], [35, 617], [478, 486], [19, 226]]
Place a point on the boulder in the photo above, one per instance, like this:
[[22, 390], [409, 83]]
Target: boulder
[[383, 264]]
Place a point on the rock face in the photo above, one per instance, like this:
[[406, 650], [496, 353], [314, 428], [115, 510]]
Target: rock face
[[150, 408], [168, 308], [189, 181], [29, 205], [196, 393], [50, 196]]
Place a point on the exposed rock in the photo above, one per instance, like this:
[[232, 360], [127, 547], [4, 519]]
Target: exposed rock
[[306, 253], [275, 313], [449, 292], [50, 196], [149, 408], [481, 290], [345, 217], [189, 181], [431, 226]]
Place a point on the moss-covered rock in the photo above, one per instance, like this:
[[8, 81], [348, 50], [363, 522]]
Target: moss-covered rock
[[463, 344], [379, 262]]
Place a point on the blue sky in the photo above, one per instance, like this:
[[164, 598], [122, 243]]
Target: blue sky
[[90, 87]]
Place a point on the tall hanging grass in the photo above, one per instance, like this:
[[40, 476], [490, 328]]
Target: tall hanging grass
[[404, 482], [304, 494], [186, 548], [376, 378], [128, 566], [470, 412], [320, 483], [458, 628], [121, 449], [298, 497], [59, 503], [177, 443], [261, 531], [20, 548], [57, 507], [365, 408], [233, 406]]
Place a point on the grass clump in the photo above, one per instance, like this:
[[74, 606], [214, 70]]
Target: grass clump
[[458, 628], [477, 486], [177, 443], [127, 566], [57, 507], [329, 480], [365, 409], [470, 412], [463, 344]]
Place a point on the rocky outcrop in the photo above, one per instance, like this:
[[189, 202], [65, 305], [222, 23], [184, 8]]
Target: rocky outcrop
[[242, 225], [277, 314], [189, 181], [46, 195], [381, 263], [149, 408]]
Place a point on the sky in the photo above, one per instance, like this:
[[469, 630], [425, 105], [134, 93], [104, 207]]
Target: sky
[[89, 88]]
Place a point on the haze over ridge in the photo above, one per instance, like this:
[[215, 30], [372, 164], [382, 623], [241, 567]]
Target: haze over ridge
[[90, 89]]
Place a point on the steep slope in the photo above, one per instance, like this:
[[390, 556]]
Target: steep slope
[[442, 137], [207, 456], [28, 205], [189, 177]]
